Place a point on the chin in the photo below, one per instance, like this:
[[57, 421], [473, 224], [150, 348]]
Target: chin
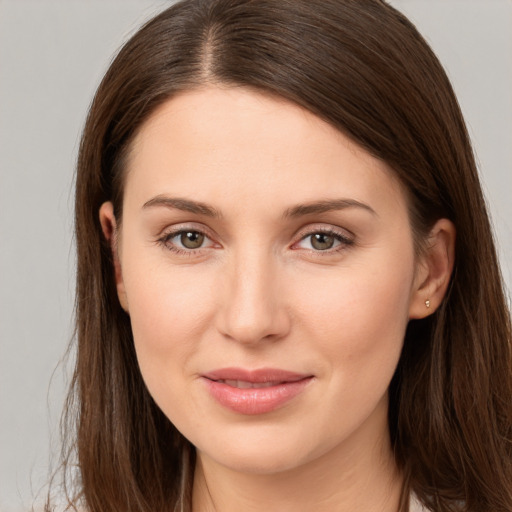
[[258, 461], [262, 451]]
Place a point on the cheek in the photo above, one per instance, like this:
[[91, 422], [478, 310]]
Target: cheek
[[355, 323], [169, 309], [358, 316]]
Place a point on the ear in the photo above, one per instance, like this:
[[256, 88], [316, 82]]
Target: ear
[[109, 228], [434, 270]]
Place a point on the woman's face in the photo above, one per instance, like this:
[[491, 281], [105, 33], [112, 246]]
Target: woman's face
[[267, 266]]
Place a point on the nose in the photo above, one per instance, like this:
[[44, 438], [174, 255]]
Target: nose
[[253, 305]]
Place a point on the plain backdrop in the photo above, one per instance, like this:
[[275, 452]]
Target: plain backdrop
[[52, 56]]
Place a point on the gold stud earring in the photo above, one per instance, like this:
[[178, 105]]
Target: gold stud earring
[[427, 303]]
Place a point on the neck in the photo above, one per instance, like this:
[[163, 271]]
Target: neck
[[356, 475]]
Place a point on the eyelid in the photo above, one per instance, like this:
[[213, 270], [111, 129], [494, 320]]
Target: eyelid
[[172, 231], [344, 236], [185, 226], [311, 229]]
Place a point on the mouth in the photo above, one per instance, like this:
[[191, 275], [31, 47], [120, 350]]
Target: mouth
[[252, 392], [243, 384]]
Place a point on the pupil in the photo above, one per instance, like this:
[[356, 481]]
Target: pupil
[[322, 241], [192, 239]]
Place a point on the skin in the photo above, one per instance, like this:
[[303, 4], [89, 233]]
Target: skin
[[259, 292]]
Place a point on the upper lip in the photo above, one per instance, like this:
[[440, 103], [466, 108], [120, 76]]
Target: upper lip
[[256, 376]]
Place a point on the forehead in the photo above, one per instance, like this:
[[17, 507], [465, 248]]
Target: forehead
[[235, 146]]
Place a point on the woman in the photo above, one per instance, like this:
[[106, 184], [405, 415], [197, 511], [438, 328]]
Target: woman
[[288, 295]]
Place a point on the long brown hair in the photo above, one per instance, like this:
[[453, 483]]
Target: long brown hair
[[361, 66]]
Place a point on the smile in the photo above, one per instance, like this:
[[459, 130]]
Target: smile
[[242, 384], [254, 392]]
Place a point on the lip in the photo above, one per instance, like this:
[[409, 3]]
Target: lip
[[278, 388]]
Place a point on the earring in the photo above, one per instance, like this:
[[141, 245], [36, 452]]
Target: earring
[[427, 303]]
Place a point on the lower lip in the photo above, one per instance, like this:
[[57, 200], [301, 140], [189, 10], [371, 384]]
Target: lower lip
[[253, 401]]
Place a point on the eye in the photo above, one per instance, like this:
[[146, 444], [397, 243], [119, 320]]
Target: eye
[[190, 239], [324, 241], [186, 241]]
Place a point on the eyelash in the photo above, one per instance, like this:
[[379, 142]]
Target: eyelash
[[344, 241], [164, 241]]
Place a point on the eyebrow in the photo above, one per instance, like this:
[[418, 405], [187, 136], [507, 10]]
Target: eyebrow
[[326, 206], [299, 210], [185, 205]]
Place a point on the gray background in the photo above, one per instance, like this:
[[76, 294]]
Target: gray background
[[52, 56]]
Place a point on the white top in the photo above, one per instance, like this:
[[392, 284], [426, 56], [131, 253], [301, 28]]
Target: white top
[[415, 505]]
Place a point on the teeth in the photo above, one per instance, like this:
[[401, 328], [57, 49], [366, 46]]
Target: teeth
[[242, 384]]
